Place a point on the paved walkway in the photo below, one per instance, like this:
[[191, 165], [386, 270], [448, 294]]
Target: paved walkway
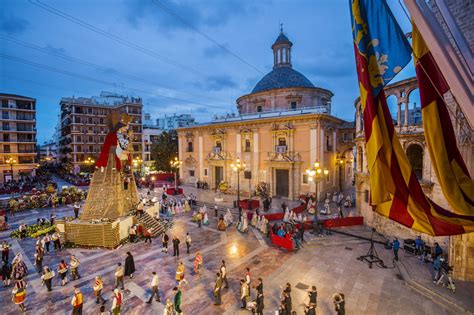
[[330, 263]]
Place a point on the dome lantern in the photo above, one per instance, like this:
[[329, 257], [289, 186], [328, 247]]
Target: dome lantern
[[282, 50]]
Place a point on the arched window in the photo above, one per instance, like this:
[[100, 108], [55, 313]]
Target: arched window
[[392, 104], [414, 105], [415, 156]]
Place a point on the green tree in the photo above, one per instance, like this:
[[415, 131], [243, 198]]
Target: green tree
[[164, 149]]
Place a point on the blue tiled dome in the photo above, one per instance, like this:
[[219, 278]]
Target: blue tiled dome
[[282, 77]]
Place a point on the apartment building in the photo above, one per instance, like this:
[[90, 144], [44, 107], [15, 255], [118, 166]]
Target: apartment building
[[84, 125], [18, 137]]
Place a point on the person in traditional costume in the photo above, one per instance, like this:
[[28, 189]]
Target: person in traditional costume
[[164, 240], [169, 308], [74, 264], [253, 221], [62, 270], [129, 265], [177, 301], [19, 269], [98, 287], [205, 221], [258, 221], [198, 263], [221, 226], [19, 294], [217, 290], [180, 273], [244, 222], [117, 302], [228, 218], [286, 216], [194, 218], [77, 302], [187, 207], [47, 277], [264, 226]]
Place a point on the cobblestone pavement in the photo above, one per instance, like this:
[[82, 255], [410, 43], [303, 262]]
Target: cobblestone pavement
[[330, 263]]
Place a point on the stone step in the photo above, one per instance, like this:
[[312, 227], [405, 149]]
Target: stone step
[[157, 226]]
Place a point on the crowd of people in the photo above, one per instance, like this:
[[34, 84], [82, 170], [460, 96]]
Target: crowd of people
[[251, 294], [27, 183], [337, 198]]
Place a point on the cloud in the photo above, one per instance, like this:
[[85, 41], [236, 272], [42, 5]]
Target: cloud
[[331, 63], [216, 83], [174, 15], [12, 24]]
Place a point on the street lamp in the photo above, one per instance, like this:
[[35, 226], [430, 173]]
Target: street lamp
[[11, 161], [316, 174], [137, 161], [89, 161], [176, 164], [340, 159], [238, 167]]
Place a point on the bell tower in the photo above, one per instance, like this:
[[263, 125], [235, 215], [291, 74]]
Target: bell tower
[[282, 50]]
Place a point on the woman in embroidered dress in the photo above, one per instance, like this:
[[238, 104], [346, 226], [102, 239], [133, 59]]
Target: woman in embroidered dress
[[205, 221], [198, 263]]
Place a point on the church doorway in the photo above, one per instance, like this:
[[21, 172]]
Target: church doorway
[[218, 175], [282, 183]]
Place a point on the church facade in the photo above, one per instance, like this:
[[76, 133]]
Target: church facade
[[284, 126]]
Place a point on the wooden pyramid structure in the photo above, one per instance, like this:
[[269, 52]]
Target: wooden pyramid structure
[[112, 191], [108, 197]]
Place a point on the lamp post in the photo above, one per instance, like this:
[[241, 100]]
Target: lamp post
[[137, 161], [176, 164], [339, 164], [89, 162], [316, 174], [238, 167], [11, 161]]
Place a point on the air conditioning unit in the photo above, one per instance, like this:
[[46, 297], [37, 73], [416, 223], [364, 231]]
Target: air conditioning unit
[[280, 149], [216, 150]]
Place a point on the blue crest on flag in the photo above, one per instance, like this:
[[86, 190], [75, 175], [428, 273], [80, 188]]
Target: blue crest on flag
[[380, 39]]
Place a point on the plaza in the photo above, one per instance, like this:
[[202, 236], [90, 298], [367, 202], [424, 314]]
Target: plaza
[[236, 157], [330, 263]]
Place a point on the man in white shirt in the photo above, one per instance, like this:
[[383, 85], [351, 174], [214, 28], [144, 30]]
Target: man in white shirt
[[224, 275], [154, 288]]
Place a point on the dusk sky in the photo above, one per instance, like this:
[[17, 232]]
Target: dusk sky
[[167, 52]]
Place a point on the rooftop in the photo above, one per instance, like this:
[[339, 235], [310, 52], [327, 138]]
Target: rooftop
[[280, 78]]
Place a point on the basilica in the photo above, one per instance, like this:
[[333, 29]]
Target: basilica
[[283, 127]]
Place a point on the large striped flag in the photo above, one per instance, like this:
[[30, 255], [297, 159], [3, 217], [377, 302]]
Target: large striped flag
[[381, 51], [452, 173]]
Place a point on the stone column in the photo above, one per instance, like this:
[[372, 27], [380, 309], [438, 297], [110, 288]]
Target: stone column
[[180, 156], [312, 154], [201, 158], [238, 145], [331, 163], [255, 160], [399, 115], [406, 114]]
